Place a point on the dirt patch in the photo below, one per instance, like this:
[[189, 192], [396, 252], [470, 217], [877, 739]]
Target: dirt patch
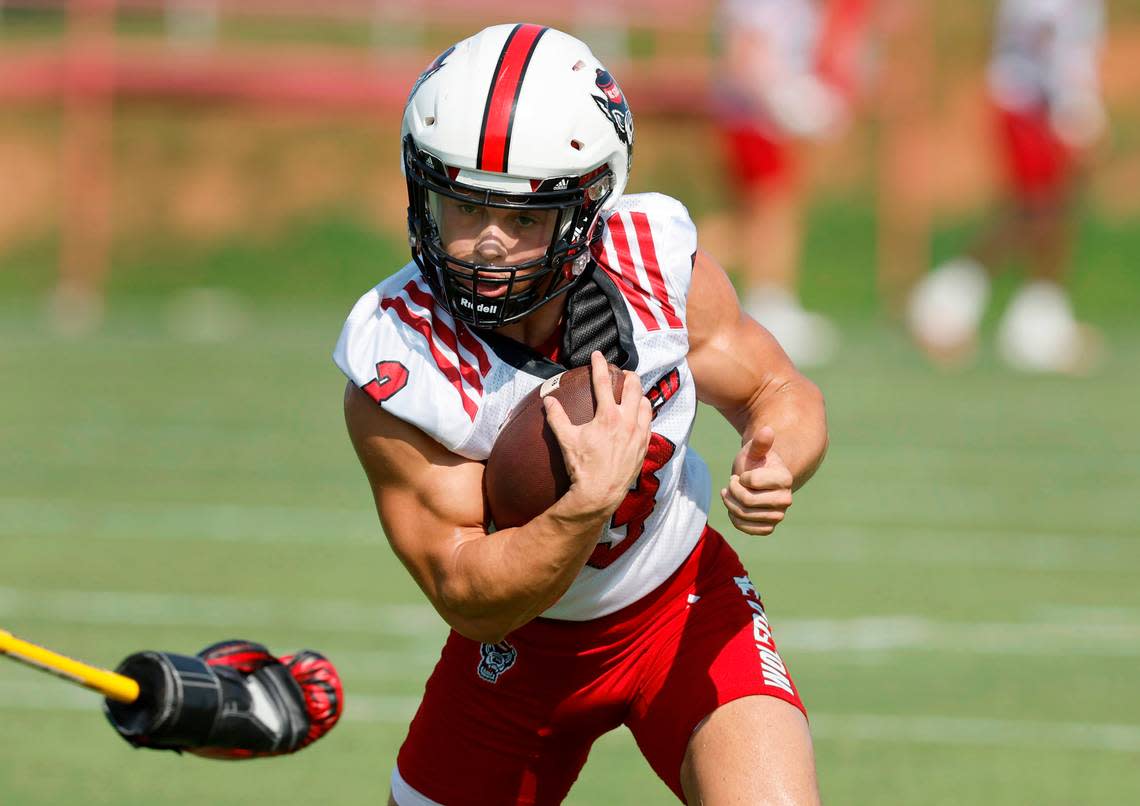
[[29, 205]]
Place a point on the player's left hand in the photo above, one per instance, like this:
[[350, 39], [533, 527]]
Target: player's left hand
[[760, 490]]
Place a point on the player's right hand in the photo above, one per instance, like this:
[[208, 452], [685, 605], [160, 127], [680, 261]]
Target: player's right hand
[[603, 456]]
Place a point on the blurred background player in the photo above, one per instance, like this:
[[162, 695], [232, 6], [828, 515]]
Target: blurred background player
[[905, 152], [788, 72], [1043, 84]]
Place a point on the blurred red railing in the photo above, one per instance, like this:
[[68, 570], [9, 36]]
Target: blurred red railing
[[89, 58], [190, 62]]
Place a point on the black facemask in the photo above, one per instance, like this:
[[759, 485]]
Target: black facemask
[[462, 285]]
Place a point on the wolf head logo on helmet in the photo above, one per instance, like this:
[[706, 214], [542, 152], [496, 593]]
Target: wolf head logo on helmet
[[431, 70], [508, 119], [614, 107]]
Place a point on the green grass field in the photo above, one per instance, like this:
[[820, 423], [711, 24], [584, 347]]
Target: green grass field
[[957, 592]]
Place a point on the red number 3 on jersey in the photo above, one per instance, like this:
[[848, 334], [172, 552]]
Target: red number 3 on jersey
[[638, 503], [391, 377]]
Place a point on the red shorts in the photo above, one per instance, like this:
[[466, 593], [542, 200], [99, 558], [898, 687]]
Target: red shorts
[[756, 159], [512, 723], [1038, 163]]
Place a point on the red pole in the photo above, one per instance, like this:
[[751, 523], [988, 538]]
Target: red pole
[[85, 166]]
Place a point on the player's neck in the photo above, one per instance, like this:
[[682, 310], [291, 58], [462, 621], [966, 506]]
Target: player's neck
[[537, 328]]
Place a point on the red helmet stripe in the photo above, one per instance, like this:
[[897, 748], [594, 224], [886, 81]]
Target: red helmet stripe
[[503, 96]]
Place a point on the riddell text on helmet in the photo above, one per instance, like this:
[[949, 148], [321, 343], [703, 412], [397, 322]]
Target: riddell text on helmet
[[481, 307]]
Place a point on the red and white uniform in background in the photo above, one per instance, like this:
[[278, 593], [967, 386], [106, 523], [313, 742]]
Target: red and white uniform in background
[[660, 627], [1043, 79], [792, 71]]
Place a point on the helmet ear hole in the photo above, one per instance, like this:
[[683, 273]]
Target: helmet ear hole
[[576, 145]]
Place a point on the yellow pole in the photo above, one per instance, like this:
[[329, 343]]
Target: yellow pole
[[109, 684]]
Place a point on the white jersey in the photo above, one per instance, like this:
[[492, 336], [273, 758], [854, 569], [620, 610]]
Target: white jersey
[[792, 67], [1045, 53], [459, 386], [791, 29]]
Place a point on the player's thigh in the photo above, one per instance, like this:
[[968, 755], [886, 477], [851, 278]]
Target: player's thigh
[[502, 724], [716, 649], [754, 750]]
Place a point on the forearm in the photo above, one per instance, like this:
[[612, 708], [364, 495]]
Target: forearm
[[498, 582], [432, 507], [794, 409], [740, 369]]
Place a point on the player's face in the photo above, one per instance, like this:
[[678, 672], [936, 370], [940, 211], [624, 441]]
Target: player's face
[[494, 236]]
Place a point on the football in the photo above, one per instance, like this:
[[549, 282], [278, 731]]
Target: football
[[525, 473]]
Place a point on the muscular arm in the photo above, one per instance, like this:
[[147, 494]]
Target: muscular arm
[[742, 371], [430, 502]]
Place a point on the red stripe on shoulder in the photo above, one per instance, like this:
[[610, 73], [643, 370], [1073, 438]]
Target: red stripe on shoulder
[[472, 345], [653, 268], [625, 273], [400, 307], [444, 334], [466, 338]]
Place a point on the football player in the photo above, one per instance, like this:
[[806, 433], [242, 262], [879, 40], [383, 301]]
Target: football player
[[787, 78], [1043, 83], [618, 604]]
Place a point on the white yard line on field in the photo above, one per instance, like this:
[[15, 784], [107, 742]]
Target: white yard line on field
[[975, 731], [394, 710], [1050, 634], [901, 633], [1106, 455], [950, 546], [134, 609], [176, 521], [907, 545], [1116, 462], [41, 695]]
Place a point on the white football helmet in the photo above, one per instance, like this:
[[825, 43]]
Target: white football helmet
[[517, 116]]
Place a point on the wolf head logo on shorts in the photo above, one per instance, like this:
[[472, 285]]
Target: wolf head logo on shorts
[[496, 659]]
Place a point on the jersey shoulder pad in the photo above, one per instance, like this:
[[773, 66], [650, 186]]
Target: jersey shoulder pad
[[649, 245], [414, 360]]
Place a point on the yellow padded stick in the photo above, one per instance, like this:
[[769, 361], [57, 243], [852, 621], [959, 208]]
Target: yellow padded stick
[[109, 684]]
